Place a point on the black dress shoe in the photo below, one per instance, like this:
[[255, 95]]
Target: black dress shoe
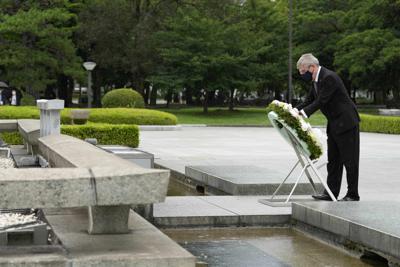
[[322, 197], [347, 198]]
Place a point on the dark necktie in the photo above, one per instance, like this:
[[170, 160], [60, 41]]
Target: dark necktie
[[315, 87]]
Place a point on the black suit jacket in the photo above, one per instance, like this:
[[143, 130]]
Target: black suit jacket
[[332, 98]]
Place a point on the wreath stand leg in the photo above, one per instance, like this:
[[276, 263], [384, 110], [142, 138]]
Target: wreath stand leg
[[306, 164]]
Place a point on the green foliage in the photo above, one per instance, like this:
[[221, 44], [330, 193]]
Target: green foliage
[[106, 134], [27, 100], [123, 98], [79, 121], [220, 46], [369, 53], [99, 115], [37, 45], [132, 116], [313, 148], [380, 124], [12, 112], [223, 116], [11, 138]]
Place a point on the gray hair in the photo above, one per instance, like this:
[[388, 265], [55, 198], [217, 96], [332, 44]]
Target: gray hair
[[307, 59]]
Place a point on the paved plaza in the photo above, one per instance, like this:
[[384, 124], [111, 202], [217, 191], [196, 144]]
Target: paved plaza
[[264, 148]]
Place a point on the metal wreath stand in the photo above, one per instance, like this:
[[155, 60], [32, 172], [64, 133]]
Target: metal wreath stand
[[303, 158]]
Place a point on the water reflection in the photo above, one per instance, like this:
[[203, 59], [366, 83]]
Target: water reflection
[[261, 247], [176, 188]]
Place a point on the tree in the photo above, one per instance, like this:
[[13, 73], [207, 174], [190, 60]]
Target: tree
[[120, 43], [36, 44], [371, 58], [214, 45]]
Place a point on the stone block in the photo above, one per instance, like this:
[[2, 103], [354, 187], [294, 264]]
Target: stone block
[[30, 130], [143, 245], [136, 156], [67, 151], [45, 188], [130, 185], [108, 219], [298, 212], [335, 225], [82, 114], [389, 112], [52, 104], [8, 125], [313, 217]]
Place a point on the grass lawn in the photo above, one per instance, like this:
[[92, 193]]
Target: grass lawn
[[222, 116]]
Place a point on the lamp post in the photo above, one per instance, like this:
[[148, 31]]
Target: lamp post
[[89, 66], [290, 29]]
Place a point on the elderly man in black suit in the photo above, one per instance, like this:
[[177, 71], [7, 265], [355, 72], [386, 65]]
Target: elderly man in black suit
[[329, 95]]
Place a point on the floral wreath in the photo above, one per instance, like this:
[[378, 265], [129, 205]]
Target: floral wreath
[[309, 137]]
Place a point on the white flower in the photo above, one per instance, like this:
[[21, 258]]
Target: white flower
[[275, 102], [304, 125], [294, 113]]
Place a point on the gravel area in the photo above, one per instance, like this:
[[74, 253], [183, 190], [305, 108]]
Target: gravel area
[[15, 219], [6, 163]]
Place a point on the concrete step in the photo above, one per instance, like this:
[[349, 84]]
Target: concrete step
[[368, 226], [205, 211], [245, 180]]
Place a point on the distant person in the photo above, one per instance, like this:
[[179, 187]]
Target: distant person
[[13, 98], [329, 95]]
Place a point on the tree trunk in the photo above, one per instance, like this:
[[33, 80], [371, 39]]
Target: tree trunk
[[188, 96], [153, 96], [65, 88], [205, 101], [379, 97], [231, 100], [396, 97], [168, 97]]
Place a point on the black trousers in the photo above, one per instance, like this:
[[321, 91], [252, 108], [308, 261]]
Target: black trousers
[[344, 151]]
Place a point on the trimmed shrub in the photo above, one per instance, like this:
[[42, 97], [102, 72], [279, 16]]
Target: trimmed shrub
[[106, 134], [122, 98], [380, 124], [12, 112], [99, 115], [132, 116], [11, 138]]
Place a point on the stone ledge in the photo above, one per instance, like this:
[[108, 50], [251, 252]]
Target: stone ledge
[[160, 127], [358, 222], [8, 125], [29, 130], [66, 151], [79, 187], [144, 245]]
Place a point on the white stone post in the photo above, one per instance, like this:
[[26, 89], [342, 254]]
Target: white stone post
[[50, 116]]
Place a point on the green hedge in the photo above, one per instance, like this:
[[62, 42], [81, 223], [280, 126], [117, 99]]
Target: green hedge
[[380, 124], [12, 138], [132, 116], [123, 98], [20, 112], [106, 134], [99, 115]]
